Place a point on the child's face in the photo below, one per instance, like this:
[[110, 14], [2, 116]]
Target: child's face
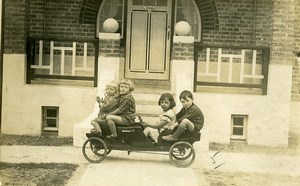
[[165, 104], [124, 89], [110, 91], [186, 103]]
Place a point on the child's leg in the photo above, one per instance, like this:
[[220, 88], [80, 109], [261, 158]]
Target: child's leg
[[154, 134], [147, 131], [187, 124], [112, 120], [95, 124], [184, 125]]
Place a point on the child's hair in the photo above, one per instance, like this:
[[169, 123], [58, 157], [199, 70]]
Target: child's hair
[[169, 97], [128, 82], [186, 94], [115, 85]]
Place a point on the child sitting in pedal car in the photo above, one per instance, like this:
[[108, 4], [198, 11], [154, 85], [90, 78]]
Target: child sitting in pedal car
[[123, 114], [190, 118], [106, 105], [167, 117]]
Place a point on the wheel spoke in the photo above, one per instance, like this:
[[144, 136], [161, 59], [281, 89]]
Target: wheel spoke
[[182, 154], [94, 150]]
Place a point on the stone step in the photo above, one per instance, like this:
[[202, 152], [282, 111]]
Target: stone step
[[146, 96], [152, 86], [151, 83], [148, 109]]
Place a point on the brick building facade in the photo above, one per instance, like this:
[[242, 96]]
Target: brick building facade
[[235, 23]]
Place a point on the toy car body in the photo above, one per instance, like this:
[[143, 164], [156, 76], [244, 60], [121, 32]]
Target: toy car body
[[131, 138]]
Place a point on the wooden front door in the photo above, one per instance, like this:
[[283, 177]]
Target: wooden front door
[[148, 39]]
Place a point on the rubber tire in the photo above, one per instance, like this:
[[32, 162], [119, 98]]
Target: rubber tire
[[175, 160], [101, 156]]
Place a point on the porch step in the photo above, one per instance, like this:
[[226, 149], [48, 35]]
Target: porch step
[[149, 110], [146, 98], [147, 105], [152, 86]]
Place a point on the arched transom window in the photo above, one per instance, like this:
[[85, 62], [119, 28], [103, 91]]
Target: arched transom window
[[111, 9], [185, 10]]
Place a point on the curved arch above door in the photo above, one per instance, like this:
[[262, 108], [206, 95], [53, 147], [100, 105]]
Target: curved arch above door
[[90, 8]]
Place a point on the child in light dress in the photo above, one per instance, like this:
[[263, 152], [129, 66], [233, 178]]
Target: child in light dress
[[167, 117]]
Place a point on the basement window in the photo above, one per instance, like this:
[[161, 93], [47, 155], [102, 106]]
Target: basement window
[[50, 116], [238, 127]]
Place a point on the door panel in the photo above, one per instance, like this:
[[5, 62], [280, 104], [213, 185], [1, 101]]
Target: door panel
[[157, 56], [138, 48], [148, 44]]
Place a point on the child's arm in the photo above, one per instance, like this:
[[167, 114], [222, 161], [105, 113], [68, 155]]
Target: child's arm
[[173, 126], [190, 114], [109, 104], [125, 104], [98, 99], [115, 112], [157, 125]]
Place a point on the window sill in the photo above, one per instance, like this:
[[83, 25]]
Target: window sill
[[50, 129]]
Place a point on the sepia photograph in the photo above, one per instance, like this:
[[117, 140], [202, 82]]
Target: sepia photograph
[[150, 92]]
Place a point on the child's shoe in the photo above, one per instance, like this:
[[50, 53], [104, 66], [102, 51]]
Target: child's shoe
[[96, 133], [93, 130], [174, 137], [169, 138], [111, 137]]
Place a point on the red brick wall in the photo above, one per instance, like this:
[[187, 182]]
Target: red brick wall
[[55, 18], [61, 19], [15, 26], [283, 32], [296, 66], [241, 22], [183, 51], [109, 48]]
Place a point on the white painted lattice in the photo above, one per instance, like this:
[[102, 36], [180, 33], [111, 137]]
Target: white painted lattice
[[62, 50], [241, 58]]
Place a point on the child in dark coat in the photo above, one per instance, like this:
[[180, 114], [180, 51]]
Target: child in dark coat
[[189, 118]]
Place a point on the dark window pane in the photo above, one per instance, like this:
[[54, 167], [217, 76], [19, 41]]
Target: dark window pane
[[51, 123], [181, 3], [51, 113], [238, 131], [239, 121], [161, 2], [137, 2], [150, 2]]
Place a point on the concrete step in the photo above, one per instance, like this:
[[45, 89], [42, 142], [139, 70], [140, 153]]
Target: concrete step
[[152, 86], [148, 109], [152, 83], [152, 97]]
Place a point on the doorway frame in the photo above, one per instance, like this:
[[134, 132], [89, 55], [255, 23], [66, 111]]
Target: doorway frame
[[126, 39]]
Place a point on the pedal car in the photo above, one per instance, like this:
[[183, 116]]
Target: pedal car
[[131, 138]]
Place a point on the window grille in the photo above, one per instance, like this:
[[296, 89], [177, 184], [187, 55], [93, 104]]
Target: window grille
[[238, 127], [50, 116]]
